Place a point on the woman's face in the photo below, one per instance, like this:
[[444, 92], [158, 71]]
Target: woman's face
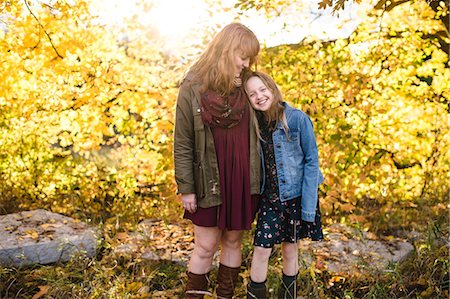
[[241, 62], [261, 97]]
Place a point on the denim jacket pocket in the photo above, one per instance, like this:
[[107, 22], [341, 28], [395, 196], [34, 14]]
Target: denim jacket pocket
[[290, 167]]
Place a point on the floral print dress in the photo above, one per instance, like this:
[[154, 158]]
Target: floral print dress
[[279, 221]]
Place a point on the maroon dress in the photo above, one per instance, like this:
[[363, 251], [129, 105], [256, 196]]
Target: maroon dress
[[238, 208]]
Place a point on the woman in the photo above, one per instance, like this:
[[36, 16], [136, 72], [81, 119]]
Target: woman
[[217, 165], [288, 209]]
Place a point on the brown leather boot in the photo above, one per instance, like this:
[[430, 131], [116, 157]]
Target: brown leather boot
[[197, 286], [226, 281]]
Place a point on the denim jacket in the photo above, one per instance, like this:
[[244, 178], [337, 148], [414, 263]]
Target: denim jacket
[[297, 161]]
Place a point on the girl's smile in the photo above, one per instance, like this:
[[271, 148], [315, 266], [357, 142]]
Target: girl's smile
[[261, 97]]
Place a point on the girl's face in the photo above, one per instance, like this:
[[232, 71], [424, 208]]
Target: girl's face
[[261, 97], [241, 62]]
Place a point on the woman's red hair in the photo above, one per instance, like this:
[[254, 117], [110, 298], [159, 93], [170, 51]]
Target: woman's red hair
[[215, 68]]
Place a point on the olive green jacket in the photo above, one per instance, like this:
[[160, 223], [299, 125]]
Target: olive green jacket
[[196, 169]]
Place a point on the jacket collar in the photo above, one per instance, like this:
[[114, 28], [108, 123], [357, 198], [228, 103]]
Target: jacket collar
[[288, 109], [288, 113]]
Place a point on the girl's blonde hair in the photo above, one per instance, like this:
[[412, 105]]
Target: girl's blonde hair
[[215, 68], [276, 110]]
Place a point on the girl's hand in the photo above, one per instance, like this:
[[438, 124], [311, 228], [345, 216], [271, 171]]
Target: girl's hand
[[189, 202]]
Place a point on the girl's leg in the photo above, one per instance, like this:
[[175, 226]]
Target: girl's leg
[[288, 287], [258, 273], [230, 263], [260, 262], [206, 241], [289, 252]]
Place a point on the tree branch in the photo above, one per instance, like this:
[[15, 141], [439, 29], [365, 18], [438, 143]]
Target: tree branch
[[382, 4], [45, 31], [434, 4]]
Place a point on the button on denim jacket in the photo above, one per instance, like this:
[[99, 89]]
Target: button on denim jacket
[[297, 161]]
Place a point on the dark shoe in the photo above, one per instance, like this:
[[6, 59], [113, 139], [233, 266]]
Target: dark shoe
[[197, 286], [226, 281], [256, 290], [288, 287]]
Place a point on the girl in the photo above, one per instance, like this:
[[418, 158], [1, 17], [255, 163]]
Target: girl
[[217, 165], [288, 207]]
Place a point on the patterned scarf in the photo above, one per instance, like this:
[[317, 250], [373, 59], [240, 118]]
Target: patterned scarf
[[223, 112]]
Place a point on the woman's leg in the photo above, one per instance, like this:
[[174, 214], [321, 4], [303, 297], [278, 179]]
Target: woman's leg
[[206, 241], [230, 263], [230, 254]]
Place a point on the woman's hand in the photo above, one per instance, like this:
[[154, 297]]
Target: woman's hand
[[189, 202]]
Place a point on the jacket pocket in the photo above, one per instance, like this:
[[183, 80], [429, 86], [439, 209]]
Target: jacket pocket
[[290, 168], [198, 122], [199, 179]]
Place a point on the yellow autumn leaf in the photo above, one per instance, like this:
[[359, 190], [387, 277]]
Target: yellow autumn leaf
[[32, 233]]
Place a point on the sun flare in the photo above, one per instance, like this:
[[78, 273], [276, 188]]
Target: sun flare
[[176, 18], [179, 22]]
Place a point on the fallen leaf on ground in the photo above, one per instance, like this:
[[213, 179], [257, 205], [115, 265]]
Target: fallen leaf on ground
[[42, 291], [33, 234]]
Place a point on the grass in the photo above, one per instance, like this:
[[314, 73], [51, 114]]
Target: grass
[[91, 278], [424, 274]]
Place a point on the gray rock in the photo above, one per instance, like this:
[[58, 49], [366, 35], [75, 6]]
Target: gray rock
[[347, 250], [344, 250], [43, 237]]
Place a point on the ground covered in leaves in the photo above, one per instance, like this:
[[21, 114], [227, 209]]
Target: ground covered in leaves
[[150, 260]]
